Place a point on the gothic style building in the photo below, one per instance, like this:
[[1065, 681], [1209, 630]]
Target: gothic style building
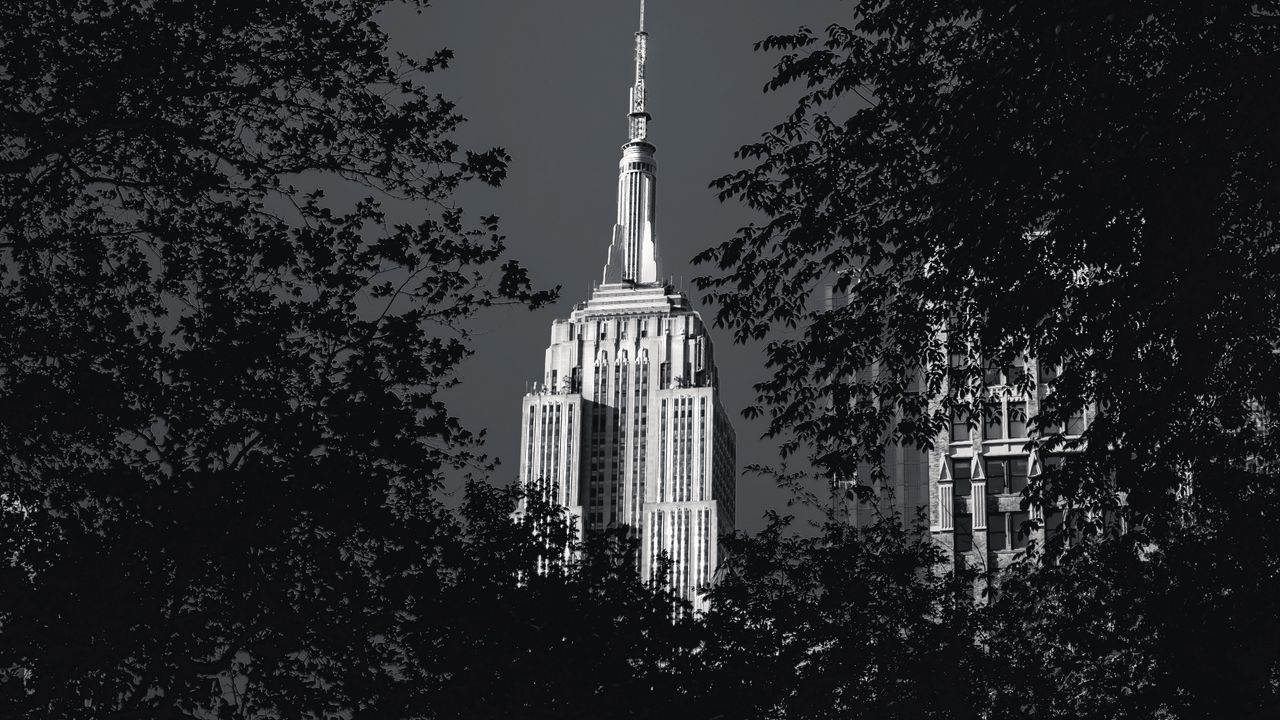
[[978, 473], [627, 423], [969, 486]]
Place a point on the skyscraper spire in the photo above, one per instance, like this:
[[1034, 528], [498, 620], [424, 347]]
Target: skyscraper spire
[[627, 428], [633, 254]]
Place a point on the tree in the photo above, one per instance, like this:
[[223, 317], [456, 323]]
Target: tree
[[846, 623], [1186, 627], [223, 424], [547, 625], [1089, 183]]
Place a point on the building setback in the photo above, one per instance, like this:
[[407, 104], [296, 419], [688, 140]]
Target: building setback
[[626, 424]]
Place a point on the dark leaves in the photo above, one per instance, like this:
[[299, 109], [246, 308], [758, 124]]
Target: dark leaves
[[224, 424], [1079, 183]]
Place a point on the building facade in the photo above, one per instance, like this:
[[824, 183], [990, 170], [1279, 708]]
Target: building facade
[[626, 424], [967, 489], [969, 485], [978, 471]]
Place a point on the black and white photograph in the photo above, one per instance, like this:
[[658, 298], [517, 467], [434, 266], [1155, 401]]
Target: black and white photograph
[[917, 360]]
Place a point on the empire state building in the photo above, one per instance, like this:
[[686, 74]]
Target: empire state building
[[626, 424]]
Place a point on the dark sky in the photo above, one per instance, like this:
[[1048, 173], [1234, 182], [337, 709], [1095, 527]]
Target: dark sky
[[548, 81]]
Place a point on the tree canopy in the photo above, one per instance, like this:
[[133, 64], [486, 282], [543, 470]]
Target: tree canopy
[[223, 426], [1092, 184], [841, 623]]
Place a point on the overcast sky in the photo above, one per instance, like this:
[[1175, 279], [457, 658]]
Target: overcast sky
[[548, 81]]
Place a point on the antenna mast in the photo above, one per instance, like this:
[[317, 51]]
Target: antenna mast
[[638, 120]]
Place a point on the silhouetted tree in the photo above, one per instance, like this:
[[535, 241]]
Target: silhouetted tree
[[839, 624], [572, 633], [1091, 183], [222, 423], [1183, 626]]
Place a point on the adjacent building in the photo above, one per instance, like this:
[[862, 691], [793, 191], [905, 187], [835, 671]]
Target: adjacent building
[[968, 488], [626, 424], [978, 470]]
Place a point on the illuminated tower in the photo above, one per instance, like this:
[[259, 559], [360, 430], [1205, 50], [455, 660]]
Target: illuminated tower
[[627, 423]]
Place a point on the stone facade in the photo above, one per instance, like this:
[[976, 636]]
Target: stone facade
[[971, 482], [628, 425]]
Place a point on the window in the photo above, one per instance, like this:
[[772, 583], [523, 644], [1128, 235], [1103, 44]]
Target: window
[[1006, 475], [1052, 524], [1048, 373], [996, 480], [995, 374], [961, 473], [1052, 472], [1013, 374], [1017, 474], [993, 425], [1019, 529], [997, 532], [956, 364], [997, 412], [964, 532], [1017, 419], [991, 373], [1075, 423], [959, 425]]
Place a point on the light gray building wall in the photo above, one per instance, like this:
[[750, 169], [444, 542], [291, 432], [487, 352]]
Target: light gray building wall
[[627, 423]]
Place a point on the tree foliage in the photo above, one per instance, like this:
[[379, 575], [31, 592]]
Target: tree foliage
[[1090, 183], [223, 424], [1184, 625], [839, 624], [547, 625], [873, 623]]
